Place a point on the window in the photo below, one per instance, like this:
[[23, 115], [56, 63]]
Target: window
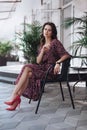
[[66, 2]]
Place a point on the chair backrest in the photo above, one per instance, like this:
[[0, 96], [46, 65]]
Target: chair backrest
[[62, 76], [64, 70]]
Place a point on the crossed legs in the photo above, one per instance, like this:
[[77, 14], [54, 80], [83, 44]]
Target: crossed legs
[[22, 83]]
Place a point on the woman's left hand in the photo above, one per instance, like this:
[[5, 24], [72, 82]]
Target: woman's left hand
[[56, 69]]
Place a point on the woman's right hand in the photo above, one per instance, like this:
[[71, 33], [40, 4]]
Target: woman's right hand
[[45, 48]]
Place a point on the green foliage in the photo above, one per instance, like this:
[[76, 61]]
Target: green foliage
[[30, 39], [81, 30], [5, 48]]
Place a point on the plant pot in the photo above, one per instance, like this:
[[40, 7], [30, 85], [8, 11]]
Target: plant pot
[[3, 61]]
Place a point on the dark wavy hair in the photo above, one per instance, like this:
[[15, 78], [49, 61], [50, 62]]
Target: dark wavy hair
[[54, 32]]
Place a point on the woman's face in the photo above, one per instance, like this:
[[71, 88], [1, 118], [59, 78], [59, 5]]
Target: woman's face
[[47, 31]]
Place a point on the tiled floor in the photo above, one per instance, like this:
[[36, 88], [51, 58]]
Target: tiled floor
[[53, 114]]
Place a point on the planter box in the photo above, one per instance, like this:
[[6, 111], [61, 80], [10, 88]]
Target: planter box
[[3, 61]]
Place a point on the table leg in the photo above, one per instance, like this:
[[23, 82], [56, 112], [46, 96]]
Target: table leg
[[86, 83]]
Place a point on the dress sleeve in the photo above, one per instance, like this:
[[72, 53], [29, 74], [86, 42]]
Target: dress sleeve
[[59, 48]]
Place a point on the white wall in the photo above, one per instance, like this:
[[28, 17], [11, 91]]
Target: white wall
[[8, 27], [50, 12]]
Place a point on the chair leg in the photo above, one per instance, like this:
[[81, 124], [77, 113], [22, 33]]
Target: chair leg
[[38, 103], [71, 97], [29, 101], [62, 91], [30, 98], [40, 96]]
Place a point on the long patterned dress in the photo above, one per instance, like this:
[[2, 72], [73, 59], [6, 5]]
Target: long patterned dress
[[50, 57]]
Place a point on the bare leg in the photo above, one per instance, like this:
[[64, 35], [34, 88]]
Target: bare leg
[[23, 87], [19, 89], [22, 84], [16, 100]]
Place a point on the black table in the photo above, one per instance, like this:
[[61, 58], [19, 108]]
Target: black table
[[81, 75]]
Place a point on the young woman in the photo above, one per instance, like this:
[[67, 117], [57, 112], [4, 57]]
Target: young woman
[[51, 51]]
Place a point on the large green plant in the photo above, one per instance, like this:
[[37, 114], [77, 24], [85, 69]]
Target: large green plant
[[81, 30], [30, 39], [5, 48]]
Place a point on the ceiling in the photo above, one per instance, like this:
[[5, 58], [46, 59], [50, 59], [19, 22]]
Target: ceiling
[[7, 7]]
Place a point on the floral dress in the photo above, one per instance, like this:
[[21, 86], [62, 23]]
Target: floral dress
[[39, 70]]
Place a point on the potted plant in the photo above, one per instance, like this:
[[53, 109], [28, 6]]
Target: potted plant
[[81, 33], [5, 49], [30, 39]]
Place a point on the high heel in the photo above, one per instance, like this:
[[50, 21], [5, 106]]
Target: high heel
[[12, 102], [15, 105]]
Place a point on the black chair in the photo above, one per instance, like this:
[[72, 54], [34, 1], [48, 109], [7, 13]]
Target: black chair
[[62, 77]]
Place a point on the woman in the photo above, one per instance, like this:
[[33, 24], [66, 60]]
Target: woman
[[51, 51]]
